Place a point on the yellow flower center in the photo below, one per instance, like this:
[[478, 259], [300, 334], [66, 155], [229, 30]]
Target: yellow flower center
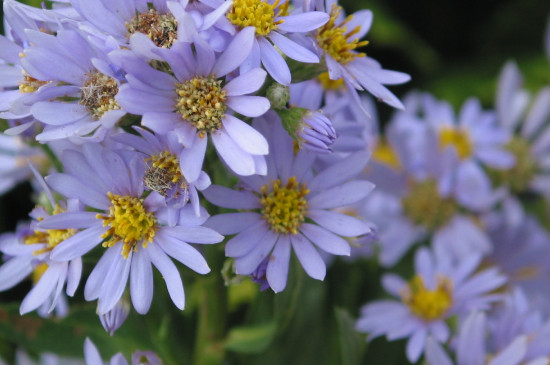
[[284, 207], [129, 222], [519, 177], [38, 271], [163, 173], [429, 304], [384, 154], [162, 29], [328, 84], [29, 84], [201, 101], [458, 138], [426, 207], [51, 237], [257, 13], [337, 41], [98, 94]]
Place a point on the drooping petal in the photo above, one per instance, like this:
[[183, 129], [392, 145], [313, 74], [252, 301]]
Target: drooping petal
[[277, 267], [141, 281], [310, 259]]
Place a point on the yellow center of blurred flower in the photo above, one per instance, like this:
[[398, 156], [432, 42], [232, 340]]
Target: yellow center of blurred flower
[[51, 237], [337, 41], [29, 84], [38, 271], [384, 154], [201, 101], [284, 207], [162, 29], [163, 173], [426, 207], [98, 94], [429, 304], [458, 138], [129, 222], [519, 177], [257, 13], [328, 83]]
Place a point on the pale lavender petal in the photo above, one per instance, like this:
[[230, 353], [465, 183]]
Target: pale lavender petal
[[277, 267], [247, 264], [310, 259], [235, 53], [76, 165], [293, 49], [56, 113], [339, 223], [114, 287], [246, 83], [338, 196], [191, 159], [41, 291], [416, 345], [70, 187], [513, 354], [69, 220], [141, 281], [251, 106], [73, 276], [435, 355], [340, 171], [231, 223], [14, 271], [198, 234], [229, 198], [363, 19], [274, 63], [303, 22], [91, 355], [183, 252], [246, 137], [325, 240], [238, 160], [140, 102], [79, 244], [245, 241], [169, 273], [95, 281]]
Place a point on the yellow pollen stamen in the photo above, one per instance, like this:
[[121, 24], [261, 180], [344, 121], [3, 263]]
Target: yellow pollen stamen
[[429, 304], [129, 222], [337, 41], [520, 176], [29, 84], [328, 84], [164, 173], [384, 154], [201, 102], [459, 138], [162, 29], [257, 13], [98, 94], [426, 207], [284, 207], [51, 237]]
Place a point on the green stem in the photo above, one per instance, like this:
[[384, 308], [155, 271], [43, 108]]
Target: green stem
[[52, 156]]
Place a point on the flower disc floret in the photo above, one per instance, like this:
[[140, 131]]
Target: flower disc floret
[[426, 207], [51, 237], [328, 84], [29, 84], [385, 154], [98, 94], [459, 139], [519, 177], [257, 13], [428, 304], [129, 222], [162, 29], [284, 207], [163, 173], [201, 101], [337, 41]]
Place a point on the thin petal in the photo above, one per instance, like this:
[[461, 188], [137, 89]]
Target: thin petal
[[325, 240], [141, 281], [339, 223], [170, 274], [277, 267], [310, 259]]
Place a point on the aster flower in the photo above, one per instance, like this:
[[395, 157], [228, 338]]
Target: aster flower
[[29, 251], [279, 205], [13, 166], [137, 232], [471, 346], [439, 290], [164, 171], [178, 104], [88, 76], [524, 118], [273, 23], [337, 42]]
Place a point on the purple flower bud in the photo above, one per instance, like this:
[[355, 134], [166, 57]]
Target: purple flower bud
[[316, 132], [113, 319], [145, 358]]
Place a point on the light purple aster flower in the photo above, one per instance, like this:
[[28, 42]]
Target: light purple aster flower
[[337, 42], [14, 153], [164, 172], [87, 75], [280, 203], [22, 358], [138, 232], [439, 290], [471, 346], [177, 103], [524, 118]]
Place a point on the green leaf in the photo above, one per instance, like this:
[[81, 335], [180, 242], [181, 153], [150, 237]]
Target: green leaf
[[251, 339], [352, 345]]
